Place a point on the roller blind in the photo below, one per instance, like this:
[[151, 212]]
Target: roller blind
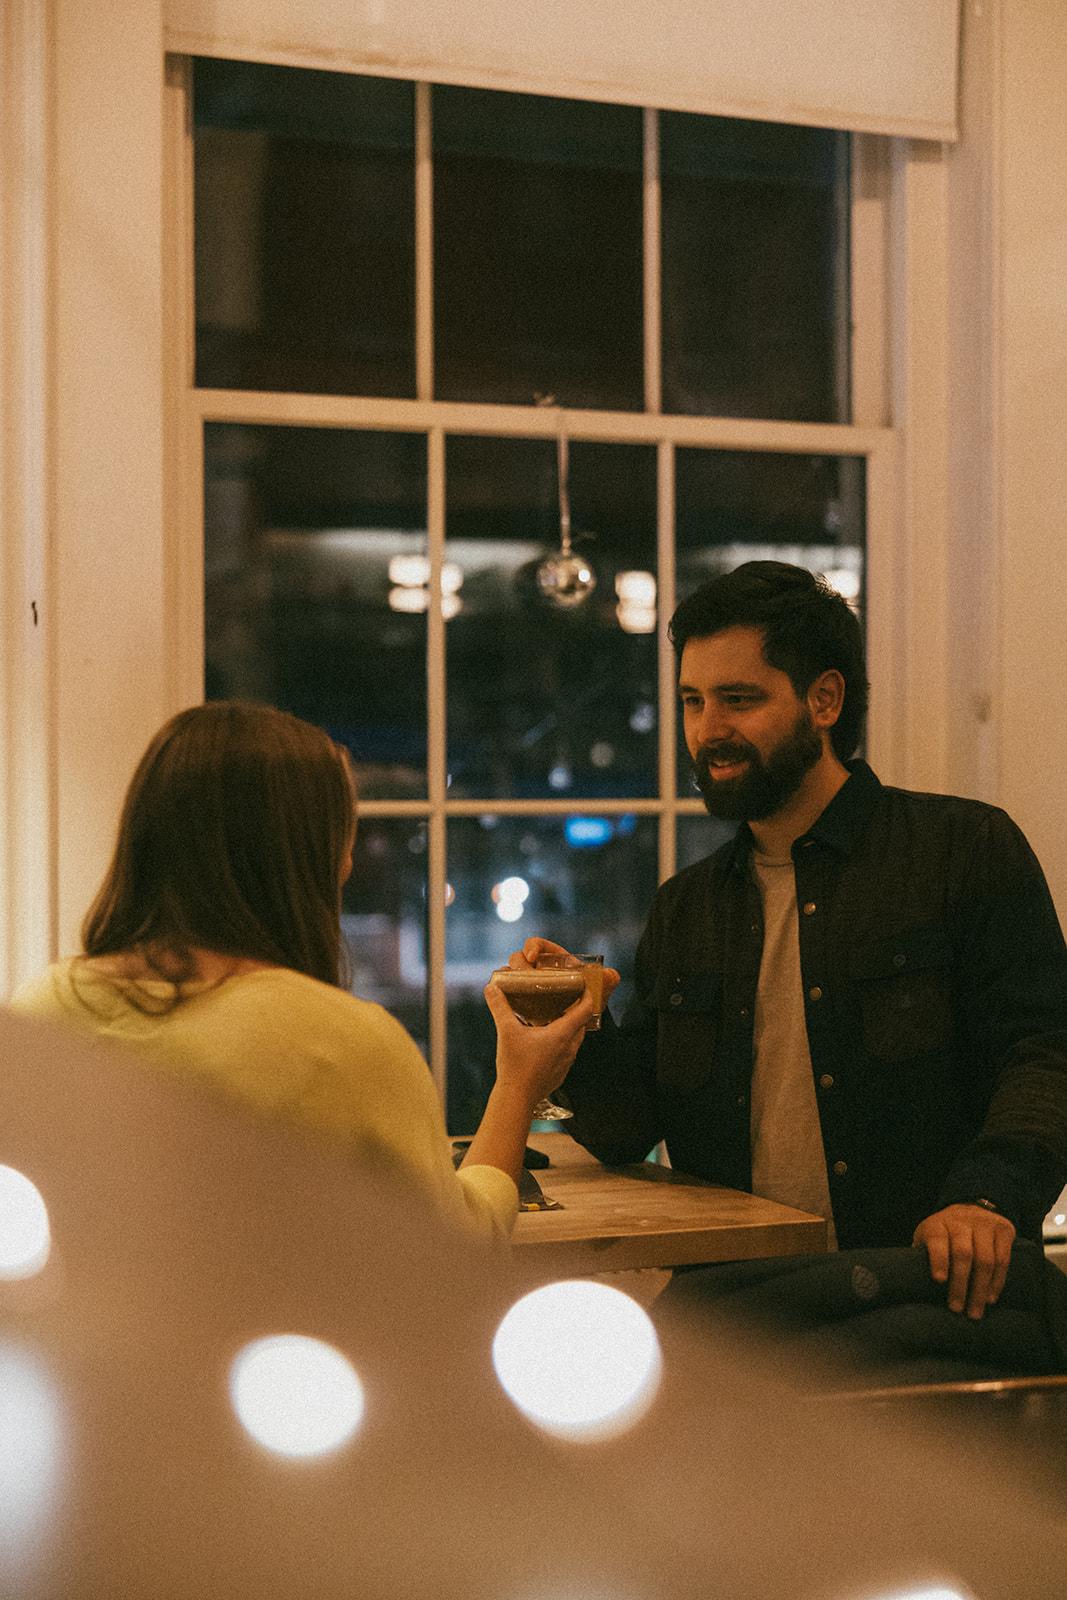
[[880, 66]]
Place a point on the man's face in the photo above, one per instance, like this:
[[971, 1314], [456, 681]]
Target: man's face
[[751, 739]]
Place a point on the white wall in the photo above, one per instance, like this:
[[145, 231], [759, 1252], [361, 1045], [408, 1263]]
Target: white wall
[[1031, 297], [82, 457], [1007, 409], [108, 453]]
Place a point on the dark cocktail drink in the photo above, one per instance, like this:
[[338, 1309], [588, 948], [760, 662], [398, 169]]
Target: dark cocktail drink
[[539, 996]]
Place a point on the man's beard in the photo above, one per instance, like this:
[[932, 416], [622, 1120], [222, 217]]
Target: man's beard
[[765, 786]]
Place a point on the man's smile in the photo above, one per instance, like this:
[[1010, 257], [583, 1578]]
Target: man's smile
[[723, 764]]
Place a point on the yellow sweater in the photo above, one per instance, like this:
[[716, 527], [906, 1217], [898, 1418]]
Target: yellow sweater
[[294, 1047]]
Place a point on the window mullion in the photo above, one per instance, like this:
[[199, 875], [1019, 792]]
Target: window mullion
[[652, 277], [668, 785], [842, 319], [183, 480], [423, 243], [866, 286], [436, 759], [435, 626]]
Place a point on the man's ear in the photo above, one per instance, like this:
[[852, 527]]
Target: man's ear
[[826, 696]]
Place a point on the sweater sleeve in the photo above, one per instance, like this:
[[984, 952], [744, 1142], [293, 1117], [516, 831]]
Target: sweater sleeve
[[369, 1085], [491, 1200]]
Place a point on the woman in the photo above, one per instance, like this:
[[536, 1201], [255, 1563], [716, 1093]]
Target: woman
[[214, 950]]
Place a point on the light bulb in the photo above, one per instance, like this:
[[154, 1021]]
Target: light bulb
[[565, 580]]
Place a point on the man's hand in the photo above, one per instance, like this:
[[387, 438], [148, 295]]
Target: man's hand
[[532, 951], [969, 1249], [535, 947]]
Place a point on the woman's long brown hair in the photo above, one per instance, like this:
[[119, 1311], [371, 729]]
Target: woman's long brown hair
[[231, 839]]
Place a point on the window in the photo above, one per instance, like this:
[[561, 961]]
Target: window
[[414, 305]]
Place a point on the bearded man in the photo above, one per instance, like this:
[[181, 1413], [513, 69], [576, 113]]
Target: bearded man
[[858, 1005]]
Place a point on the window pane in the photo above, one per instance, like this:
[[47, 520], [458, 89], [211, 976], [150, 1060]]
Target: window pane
[[305, 230], [302, 528], [755, 308], [592, 896], [543, 700], [384, 919], [538, 249], [735, 506]]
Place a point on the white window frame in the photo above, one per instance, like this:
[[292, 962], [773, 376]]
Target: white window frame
[[868, 437]]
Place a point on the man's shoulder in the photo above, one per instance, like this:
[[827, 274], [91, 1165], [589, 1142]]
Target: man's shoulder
[[951, 809], [968, 842]]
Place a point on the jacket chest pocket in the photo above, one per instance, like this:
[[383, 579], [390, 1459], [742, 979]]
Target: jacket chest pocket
[[690, 1016], [904, 990]]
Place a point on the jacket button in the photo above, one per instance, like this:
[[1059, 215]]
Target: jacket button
[[899, 961], [826, 1081], [809, 908], [676, 999], [840, 1167], [816, 993]]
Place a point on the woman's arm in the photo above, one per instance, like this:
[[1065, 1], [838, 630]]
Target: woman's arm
[[530, 1063]]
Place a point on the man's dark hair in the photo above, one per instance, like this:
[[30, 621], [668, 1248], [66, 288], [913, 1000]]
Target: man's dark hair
[[807, 627]]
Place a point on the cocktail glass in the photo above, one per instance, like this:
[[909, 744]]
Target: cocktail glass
[[540, 994]]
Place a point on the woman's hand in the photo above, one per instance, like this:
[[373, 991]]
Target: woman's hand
[[536, 1060], [530, 1063]]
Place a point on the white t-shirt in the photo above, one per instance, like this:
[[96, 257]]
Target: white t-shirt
[[788, 1160]]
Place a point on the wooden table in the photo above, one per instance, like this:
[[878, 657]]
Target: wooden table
[[617, 1219]]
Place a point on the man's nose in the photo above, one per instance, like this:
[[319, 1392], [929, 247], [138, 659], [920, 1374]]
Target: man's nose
[[714, 724]]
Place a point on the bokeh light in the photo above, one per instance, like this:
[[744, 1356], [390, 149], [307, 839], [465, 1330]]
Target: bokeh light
[[847, 582], [580, 1359], [509, 897], [30, 1463], [24, 1234], [510, 889], [937, 1591], [639, 588], [411, 574], [295, 1395]]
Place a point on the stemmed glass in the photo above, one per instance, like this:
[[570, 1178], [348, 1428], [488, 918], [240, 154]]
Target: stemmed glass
[[540, 994]]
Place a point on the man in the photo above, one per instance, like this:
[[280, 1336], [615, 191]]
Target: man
[[858, 1005]]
